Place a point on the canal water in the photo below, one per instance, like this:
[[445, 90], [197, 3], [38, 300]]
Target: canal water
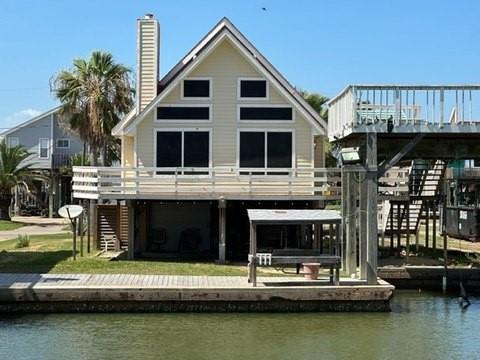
[[421, 326]]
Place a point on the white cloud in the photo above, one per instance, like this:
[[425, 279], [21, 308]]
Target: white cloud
[[17, 118]]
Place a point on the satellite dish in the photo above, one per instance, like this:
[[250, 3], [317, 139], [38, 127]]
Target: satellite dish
[[70, 211]]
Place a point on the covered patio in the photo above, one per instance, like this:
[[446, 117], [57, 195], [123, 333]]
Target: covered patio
[[313, 252]]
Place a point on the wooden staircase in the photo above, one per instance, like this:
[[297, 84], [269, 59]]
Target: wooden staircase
[[424, 188]]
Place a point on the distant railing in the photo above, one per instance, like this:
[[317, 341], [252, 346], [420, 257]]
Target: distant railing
[[218, 182], [392, 106]]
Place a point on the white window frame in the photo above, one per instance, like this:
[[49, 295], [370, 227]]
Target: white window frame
[[263, 122], [40, 148], [265, 131], [182, 94], [9, 141], [183, 121], [239, 88], [182, 131], [62, 147]]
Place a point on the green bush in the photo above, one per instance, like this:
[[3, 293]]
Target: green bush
[[23, 241]]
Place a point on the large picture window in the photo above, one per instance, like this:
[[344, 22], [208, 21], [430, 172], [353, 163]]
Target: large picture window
[[183, 149], [265, 149]]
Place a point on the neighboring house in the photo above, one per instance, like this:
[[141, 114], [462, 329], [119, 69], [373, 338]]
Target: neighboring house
[[51, 146], [221, 132]]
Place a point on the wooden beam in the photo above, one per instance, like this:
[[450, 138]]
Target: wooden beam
[[363, 191], [372, 208], [385, 166], [351, 225]]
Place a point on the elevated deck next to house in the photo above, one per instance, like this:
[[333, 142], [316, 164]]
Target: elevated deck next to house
[[221, 183], [405, 110], [162, 293]]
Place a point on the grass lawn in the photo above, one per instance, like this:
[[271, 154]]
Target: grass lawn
[[9, 225], [53, 254]]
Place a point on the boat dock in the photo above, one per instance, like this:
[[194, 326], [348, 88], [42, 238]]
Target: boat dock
[[48, 293]]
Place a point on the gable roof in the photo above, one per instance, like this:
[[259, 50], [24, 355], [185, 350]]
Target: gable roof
[[224, 28], [30, 121]]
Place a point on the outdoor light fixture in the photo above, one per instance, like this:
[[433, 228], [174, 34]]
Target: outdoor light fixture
[[350, 156]]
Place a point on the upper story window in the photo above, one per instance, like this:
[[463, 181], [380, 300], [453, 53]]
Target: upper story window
[[63, 143], [265, 113], [43, 148], [12, 141], [252, 89], [196, 88], [183, 112]]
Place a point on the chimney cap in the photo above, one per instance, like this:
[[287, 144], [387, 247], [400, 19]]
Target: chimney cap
[[149, 16]]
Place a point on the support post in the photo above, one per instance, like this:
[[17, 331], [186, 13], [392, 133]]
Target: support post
[[399, 227], [427, 226], [363, 191], [445, 238], [407, 248], [51, 187], [88, 229], [434, 226], [350, 218], [80, 228], [341, 244], [131, 229], [252, 261], [222, 220], [392, 209], [93, 222], [372, 208]]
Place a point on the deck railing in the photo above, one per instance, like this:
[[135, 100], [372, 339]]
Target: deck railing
[[220, 182], [392, 107]]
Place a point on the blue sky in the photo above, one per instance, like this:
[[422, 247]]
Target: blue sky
[[318, 45]]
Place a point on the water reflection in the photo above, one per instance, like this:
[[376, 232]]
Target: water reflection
[[421, 326]]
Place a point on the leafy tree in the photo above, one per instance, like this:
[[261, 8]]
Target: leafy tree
[[12, 173], [95, 94], [319, 104]]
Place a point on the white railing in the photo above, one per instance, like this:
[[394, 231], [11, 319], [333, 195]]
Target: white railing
[[389, 107], [221, 182], [217, 182]]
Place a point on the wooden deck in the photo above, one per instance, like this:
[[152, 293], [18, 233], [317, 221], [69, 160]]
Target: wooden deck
[[122, 292]]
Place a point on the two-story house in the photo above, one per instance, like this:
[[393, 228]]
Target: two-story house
[[221, 132], [51, 145]]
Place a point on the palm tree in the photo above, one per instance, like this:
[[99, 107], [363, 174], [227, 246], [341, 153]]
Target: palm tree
[[319, 104], [95, 94], [12, 173]]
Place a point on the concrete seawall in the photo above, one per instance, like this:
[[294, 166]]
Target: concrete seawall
[[155, 293], [430, 277]]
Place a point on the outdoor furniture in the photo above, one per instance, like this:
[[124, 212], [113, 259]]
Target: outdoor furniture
[[293, 256], [301, 256]]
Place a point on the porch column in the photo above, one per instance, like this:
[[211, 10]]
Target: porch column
[[131, 229], [372, 207], [222, 222]]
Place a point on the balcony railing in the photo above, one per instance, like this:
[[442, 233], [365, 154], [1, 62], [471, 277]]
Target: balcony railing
[[400, 108], [220, 182]]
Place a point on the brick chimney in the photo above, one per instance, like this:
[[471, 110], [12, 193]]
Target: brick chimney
[[148, 32]]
